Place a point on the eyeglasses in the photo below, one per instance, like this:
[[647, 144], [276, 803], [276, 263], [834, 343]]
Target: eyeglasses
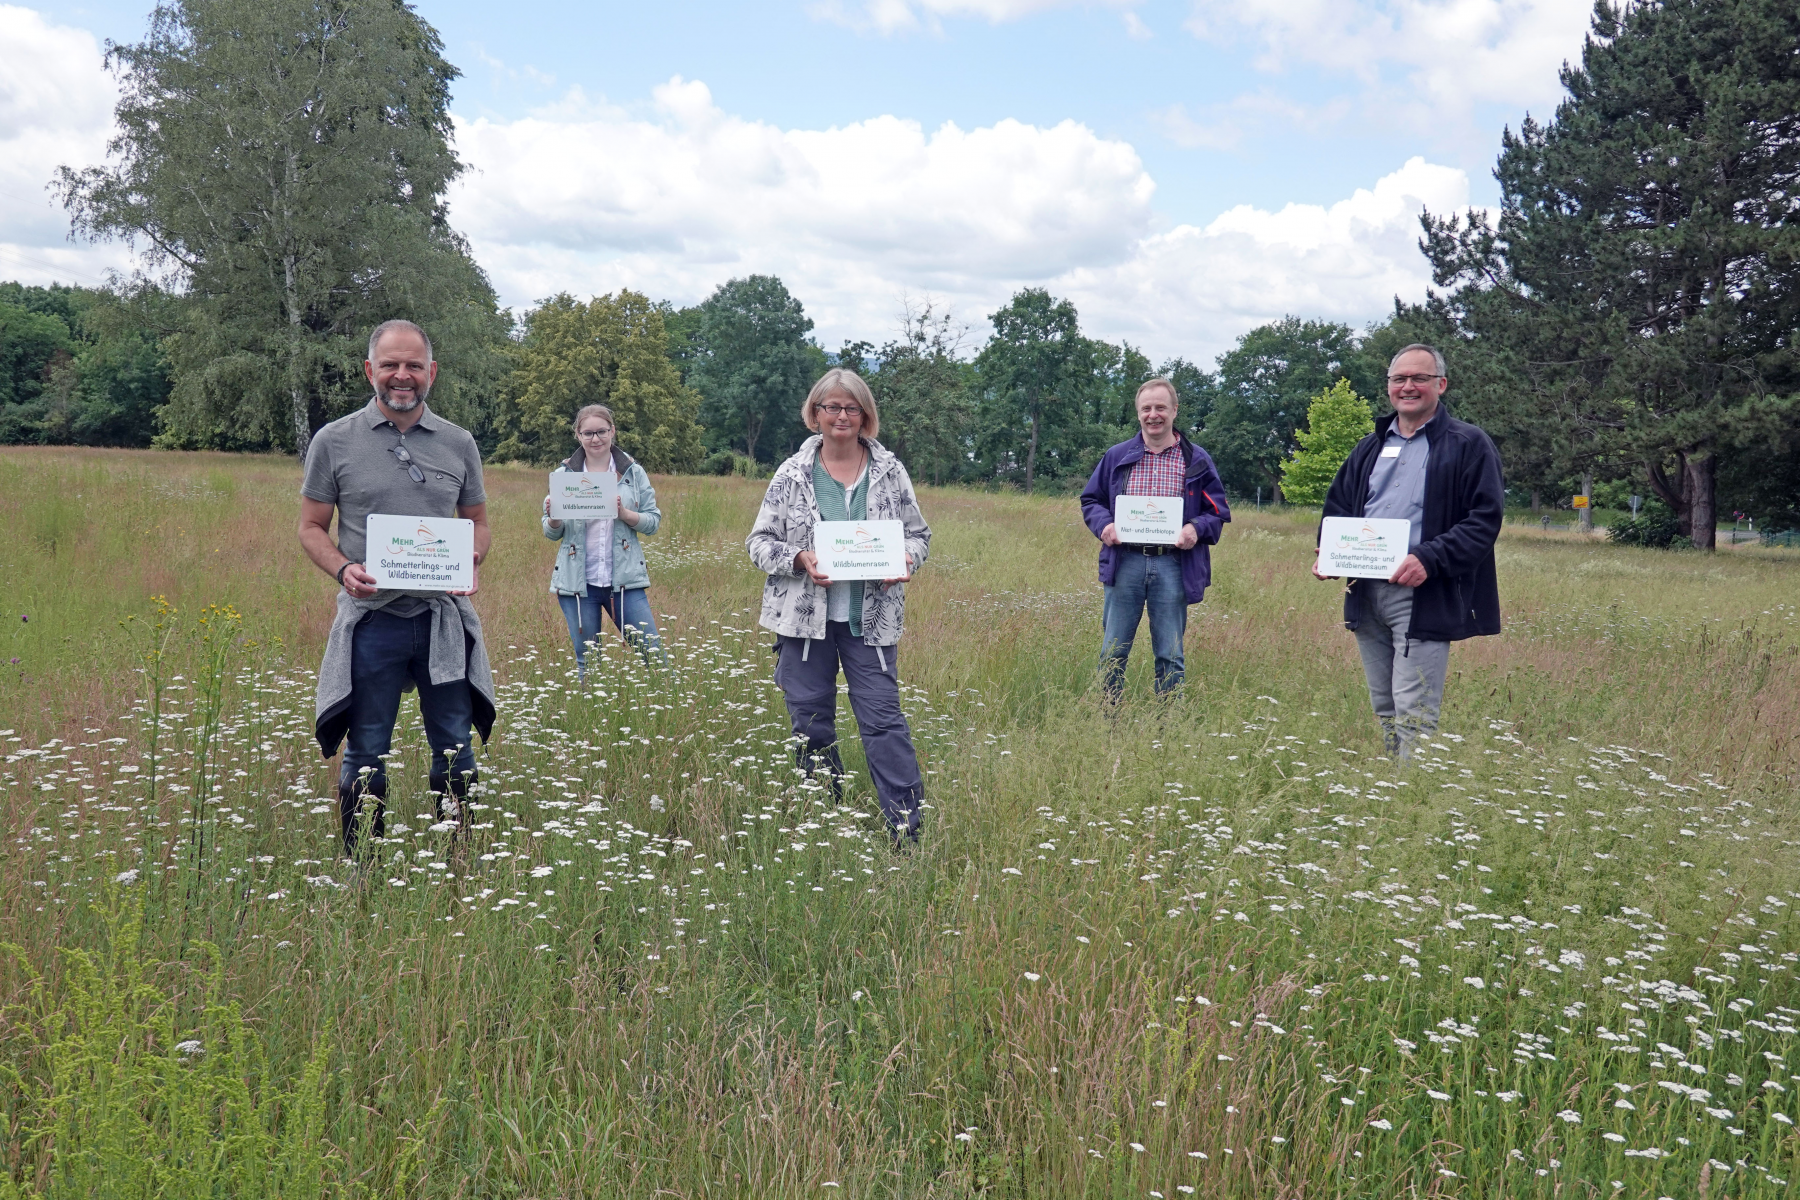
[[412, 468], [840, 410], [1418, 380], [590, 434]]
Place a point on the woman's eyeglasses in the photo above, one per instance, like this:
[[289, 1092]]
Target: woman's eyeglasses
[[412, 468], [840, 410], [593, 434]]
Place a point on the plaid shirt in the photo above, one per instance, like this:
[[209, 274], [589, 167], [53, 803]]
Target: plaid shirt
[[1163, 473]]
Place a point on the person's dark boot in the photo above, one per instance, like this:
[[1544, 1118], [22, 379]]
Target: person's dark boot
[[450, 796], [353, 791], [814, 759], [905, 831]]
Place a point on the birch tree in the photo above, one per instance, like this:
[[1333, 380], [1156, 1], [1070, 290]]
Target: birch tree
[[283, 163]]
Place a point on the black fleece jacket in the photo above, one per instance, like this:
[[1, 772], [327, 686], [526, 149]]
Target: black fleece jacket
[[1464, 502]]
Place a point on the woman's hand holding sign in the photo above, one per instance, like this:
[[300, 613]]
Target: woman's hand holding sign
[[808, 562], [906, 578]]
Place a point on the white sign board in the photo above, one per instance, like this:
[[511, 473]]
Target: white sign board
[[584, 495], [421, 554], [1362, 547], [850, 550], [1147, 520]]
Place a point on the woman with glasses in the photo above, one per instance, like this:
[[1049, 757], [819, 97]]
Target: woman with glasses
[[599, 564], [842, 473]]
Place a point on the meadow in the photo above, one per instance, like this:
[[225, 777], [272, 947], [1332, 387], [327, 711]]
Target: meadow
[[1218, 946]]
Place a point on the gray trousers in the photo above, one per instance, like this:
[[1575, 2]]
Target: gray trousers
[[807, 674], [1406, 676]]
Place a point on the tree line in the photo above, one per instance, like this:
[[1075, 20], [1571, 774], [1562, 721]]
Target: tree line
[[1627, 323]]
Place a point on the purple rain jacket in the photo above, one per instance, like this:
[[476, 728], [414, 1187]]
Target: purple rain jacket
[[1203, 506]]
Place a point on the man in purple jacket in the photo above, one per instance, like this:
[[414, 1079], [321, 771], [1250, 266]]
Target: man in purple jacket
[[1159, 461]]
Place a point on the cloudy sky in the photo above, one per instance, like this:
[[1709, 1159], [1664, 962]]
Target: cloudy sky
[[1182, 169]]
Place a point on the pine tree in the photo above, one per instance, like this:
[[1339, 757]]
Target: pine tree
[[1644, 275], [1336, 420]]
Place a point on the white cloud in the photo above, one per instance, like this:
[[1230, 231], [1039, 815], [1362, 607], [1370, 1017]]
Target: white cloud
[[1424, 59], [588, 197], [903, 16], [1193, 290], [56, 105]]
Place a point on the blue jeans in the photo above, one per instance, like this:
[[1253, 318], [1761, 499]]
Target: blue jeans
[[1143, 581], [583, 615], [386, 651]]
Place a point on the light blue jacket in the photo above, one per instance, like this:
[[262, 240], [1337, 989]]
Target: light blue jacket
[[569, 576]]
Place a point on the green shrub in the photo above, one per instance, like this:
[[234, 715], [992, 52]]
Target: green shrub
[[1653, 528]]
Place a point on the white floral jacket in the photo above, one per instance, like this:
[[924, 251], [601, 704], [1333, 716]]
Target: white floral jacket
[[793, 605]]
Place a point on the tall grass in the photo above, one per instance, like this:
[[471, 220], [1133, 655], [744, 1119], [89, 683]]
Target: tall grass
[[1216, 945]]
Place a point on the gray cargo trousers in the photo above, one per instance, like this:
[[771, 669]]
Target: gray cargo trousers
[[806, 671], [1406, 676]]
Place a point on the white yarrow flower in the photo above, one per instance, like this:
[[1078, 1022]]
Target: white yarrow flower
[[1569, 1115]]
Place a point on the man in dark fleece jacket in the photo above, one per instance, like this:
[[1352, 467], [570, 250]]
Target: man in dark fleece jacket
[[1443, 476]]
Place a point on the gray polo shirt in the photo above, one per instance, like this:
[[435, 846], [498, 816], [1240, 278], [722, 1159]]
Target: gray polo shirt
[[1397, 480], [351, 465]]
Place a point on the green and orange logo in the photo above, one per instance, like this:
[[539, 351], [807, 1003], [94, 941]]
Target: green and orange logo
[[423, 544]]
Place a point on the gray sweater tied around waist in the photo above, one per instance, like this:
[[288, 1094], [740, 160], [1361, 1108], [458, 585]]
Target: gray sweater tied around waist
[[457, 652]]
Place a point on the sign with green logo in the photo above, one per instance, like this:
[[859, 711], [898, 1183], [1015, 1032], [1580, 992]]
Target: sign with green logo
[[851, 550], [584, 495], [1147, 520], [421, 554], [1363, 547]]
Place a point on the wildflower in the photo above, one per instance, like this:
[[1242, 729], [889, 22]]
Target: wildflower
[[1782, 1117], [1569, 1115], [1437, 1095], [1032, 977], [1475, 981], [189, 1047], [1610, 1136], [1381, 1123], [126, 877], [1138, 1146]]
